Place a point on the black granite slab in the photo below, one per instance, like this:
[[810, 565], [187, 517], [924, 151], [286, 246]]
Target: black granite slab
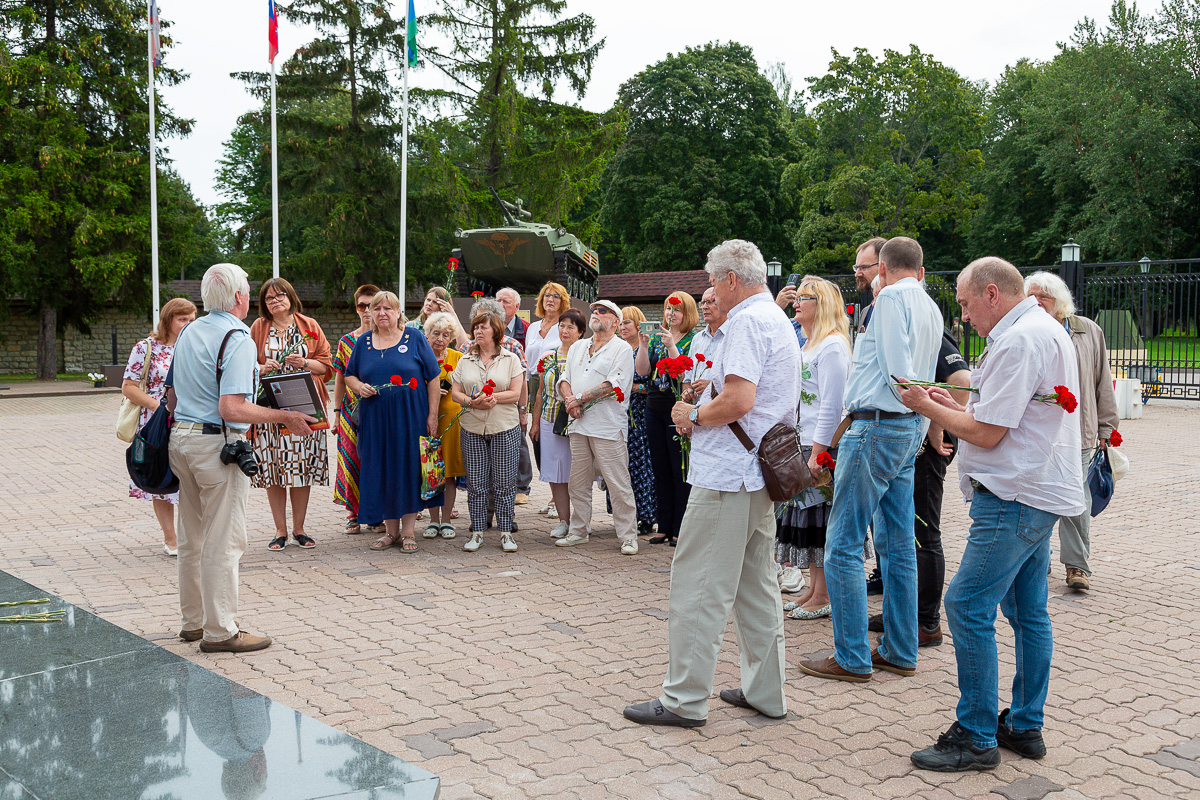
[[88, 710]]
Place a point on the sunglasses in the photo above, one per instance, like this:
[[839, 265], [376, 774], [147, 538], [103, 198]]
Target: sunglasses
[[363, 306]]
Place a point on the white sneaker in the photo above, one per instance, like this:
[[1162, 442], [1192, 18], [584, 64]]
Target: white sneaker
[[474, 543], [560, 530], [793, 580], [629, 548], [507, 544], [571, 540]]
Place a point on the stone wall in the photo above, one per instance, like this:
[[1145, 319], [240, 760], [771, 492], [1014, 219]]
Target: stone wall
[[78, 352]]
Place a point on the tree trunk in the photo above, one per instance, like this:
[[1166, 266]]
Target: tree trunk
[[47, 346]]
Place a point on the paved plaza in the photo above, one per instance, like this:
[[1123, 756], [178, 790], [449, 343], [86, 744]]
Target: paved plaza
[[506, 674]]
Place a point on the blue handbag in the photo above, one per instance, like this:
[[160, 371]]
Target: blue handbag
[[1100, 481]]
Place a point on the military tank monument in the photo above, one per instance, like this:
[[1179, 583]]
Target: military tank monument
[[524, 255]]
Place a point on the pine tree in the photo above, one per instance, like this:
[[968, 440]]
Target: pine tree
[[74, 160]]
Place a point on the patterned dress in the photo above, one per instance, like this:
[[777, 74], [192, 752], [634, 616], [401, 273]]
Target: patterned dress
[[447, 411], [156, 387], [345, 490], [640, 471], [284, 460]]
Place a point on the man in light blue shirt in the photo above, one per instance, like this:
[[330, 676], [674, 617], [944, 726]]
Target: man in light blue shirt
[[875, 474], [212, 493]]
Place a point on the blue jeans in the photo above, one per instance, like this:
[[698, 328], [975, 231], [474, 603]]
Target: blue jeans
[[1004, 563], [874, 485]]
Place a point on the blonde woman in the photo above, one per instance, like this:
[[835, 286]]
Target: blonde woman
[[824, 368], [437, 299], [158, 349], [680, 316]]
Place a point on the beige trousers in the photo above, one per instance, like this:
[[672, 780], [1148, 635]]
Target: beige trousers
[[610, 458], [212, 532], [725, 562]]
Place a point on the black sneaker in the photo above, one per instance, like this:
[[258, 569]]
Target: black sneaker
[[1027, 743], [955, 752], [875, 583]]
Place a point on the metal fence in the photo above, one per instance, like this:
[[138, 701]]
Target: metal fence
[[1149, 311]]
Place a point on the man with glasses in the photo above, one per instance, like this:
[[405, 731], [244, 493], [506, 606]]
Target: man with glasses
[[595, 368], [866, 268], [707, 342]]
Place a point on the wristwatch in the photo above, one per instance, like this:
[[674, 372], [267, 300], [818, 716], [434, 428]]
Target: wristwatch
[[694, 414]]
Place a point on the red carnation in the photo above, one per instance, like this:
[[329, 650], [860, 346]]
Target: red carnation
[[476, 293], [1115, 439], [673, 300], [541, 366], [491, 383], [620, 395], [708, 364], [453, 264], [397, 380], [487, 390], [825, 460], [310, 335], [699, 357], [412, 383]]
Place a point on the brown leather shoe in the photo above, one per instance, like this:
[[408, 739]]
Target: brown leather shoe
[[931, 638], [878, 662], [192, 636], [1077, 580], [241, 643], [832, 670]]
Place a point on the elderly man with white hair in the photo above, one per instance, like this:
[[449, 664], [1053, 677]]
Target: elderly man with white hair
[[725, 563], [1098, 417], [210, 390]]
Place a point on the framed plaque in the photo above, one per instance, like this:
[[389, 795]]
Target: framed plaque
[[294, 391]]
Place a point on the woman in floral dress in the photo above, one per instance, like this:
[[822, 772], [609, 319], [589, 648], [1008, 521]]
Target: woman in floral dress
[[345, 490], [640, 471], [158, 347]]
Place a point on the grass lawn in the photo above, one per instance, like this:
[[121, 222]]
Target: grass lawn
[[1174, 350], [29, 378]]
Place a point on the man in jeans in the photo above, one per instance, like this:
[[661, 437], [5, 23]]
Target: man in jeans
[[212, 495], [595, 367], [1019, 469], [725, 561], [875, 474]]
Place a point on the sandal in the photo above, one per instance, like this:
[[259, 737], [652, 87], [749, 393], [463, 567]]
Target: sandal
[[278, 543], [408, 545], [815, 613], [383, 542], [431, 530], [307, 542], [448, 531], [352, 526], [454, 514]]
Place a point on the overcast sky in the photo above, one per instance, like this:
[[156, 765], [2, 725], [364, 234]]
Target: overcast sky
[[216, 37]]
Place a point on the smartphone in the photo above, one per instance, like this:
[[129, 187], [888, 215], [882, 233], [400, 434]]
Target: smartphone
[[794, 279], [649, 328]]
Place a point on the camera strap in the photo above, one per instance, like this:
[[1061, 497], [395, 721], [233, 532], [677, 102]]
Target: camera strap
[[220, 371]]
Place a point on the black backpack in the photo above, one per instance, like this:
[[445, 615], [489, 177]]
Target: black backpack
[[146, 458]]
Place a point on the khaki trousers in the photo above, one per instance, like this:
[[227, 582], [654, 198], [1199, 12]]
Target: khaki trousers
[[610, 458], [212, 532], [725, 562]]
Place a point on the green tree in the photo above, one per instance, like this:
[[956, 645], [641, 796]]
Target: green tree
[[74, 147], [893, 148], [701, 161]]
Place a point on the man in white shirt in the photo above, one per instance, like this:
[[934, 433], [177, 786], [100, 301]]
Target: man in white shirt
[[707, 342], [725, 560], [1019, 470], [595, 368]]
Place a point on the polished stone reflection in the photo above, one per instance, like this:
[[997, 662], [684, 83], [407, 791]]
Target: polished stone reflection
[[88, 710]]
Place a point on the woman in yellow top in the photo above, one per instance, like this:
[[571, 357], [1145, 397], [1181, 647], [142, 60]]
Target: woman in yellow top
[[441, 329]]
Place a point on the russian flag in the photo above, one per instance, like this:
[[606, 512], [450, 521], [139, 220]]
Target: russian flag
[[272, 31], [155, 35]]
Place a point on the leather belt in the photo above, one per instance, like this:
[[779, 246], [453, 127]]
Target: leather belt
[[202, 427], [864, 413], [979, 487]]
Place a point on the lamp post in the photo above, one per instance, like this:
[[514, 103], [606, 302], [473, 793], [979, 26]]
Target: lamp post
[[1070, 270], [1144, 265], [774, 270]]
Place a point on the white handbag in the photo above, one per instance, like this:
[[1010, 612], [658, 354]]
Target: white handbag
[[129, 412]]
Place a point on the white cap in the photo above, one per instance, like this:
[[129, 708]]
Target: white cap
[[609, 304]]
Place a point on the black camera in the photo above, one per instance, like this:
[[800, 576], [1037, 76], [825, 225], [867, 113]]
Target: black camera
[[241, 453]]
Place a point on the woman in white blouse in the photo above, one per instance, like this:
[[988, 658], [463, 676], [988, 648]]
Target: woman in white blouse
[[542, 338], [824, 367]]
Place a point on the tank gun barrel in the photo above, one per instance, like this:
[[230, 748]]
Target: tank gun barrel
[[513, 212]]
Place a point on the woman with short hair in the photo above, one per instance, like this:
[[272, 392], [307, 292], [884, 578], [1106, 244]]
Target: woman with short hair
[[680, 316], [394, 372], [345, 492], [488, 382], [287, 341], [152, 356], [556, 449], [441, 329]]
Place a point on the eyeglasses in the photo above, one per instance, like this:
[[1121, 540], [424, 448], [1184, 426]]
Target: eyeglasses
[[857, 269], [806, 297], [708, 302], [271, 298]]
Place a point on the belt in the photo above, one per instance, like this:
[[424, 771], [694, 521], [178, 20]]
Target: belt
[[202, 427], [979, 487], [864, 413]]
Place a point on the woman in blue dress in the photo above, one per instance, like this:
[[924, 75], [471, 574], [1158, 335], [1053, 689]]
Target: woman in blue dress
[[395, 373]]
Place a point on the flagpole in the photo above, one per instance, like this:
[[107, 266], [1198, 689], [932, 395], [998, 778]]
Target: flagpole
[[404, 181], [154, 291], [274, 183]]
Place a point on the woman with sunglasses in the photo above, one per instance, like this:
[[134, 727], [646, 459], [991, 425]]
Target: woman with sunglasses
[[824, 368], [345, 492]]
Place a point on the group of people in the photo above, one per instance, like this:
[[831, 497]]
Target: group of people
[[885, 411]]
